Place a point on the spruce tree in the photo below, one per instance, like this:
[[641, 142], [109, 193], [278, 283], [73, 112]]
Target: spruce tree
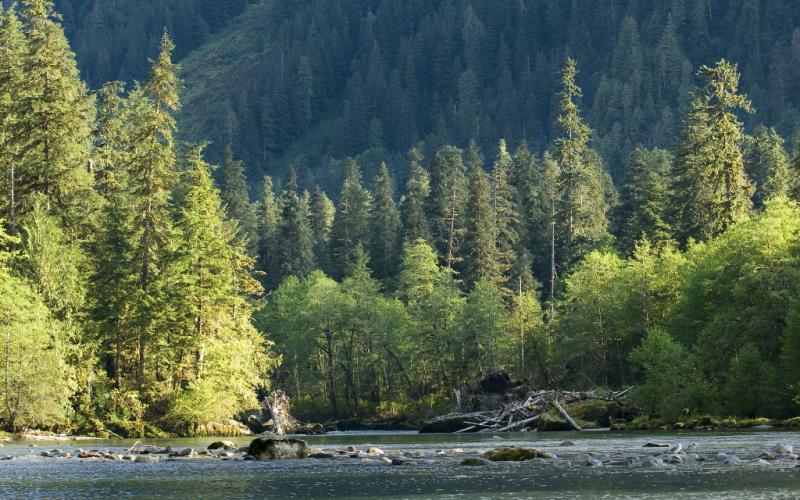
[[582, 204], [766, 164], [152, 170], [446, 202], [384, 227], [237, 202], [351, 222], [481, 257], [506, 218], [50, 135], [294, 241], [643, 207], [12, 53], [415, 224], [710, 188], [269, 214], [321, 213]]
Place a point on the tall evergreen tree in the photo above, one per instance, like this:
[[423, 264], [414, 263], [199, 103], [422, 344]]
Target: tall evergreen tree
[[321, 213], [582, 204], [384, 227], [506, 219], [415, 224], [446, 202], [710, 188], [152, 168], [50, 136], [269, 214], [12, 53], [643, 207], [766, 164], [481, 256], [237, 202], [351, 223], [294, 241]]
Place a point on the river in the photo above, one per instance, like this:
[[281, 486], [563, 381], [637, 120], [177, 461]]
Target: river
[[30, 475]]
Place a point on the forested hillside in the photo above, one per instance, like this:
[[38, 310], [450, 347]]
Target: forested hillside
[[139, 296], [300, 82]]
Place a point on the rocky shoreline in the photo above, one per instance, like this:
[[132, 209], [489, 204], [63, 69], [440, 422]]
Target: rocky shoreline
[[651, 455]]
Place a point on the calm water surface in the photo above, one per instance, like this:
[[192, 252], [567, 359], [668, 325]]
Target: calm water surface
[[34, 476]]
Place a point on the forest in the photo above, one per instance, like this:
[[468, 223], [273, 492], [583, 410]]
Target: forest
[[145, 293]]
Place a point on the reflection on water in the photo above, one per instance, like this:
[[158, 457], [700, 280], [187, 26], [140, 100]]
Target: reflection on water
[[47, 477]]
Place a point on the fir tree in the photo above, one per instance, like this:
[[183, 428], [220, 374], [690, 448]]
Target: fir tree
[[12, 53], [506, 219], [384, 227], [445, 205], [412, 207], [237, 201], [269, 214], [481, 258], [50, 136], [582, 203], [321, 213], [766, 164], [351, 223], [643, 206], [710, 187], [294, 242]]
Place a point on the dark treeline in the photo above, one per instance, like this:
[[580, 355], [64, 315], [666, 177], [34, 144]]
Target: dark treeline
[[138, 297], [302, 83]]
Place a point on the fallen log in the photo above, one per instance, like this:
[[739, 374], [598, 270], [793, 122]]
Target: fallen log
[[566, 416]]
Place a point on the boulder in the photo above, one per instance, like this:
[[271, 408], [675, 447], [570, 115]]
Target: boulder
[[320, 454], [781, 449], [372, 450], [476, 462], [272, 449], [512, 454], [222, 445]]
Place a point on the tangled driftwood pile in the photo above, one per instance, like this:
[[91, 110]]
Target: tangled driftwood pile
[[523, 414]]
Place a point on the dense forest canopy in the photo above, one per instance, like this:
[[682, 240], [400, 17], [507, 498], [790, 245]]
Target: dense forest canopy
[[143, 291], [302, 82]]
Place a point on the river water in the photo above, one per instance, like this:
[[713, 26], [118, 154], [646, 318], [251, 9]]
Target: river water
[[434, 476]]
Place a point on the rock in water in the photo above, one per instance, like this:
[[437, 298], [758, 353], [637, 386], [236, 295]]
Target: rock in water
[[272, 449], [655, 445], [652, 462], [512, 454], [781, 449], [144, 459], [475, 461], [222, 445]]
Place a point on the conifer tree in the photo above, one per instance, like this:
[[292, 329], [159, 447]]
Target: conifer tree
[[643, 207], [50, 135], [446, 202], [269, 214], [152, 170], [237, 202], [321, 213], [384, 227], [481, 259], [582, 204], [506, 218], [412, 207], [709, 185], [294, 241], [351, 222], [766, 164], [12, 53]]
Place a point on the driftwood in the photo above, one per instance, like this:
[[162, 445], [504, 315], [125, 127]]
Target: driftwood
[[525, 414]]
